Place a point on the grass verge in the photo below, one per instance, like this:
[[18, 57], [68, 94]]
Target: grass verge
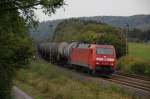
[[44, 81]]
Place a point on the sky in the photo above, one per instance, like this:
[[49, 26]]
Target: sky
[[80, 8]]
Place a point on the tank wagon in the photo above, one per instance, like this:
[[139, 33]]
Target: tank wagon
[[93, 57]]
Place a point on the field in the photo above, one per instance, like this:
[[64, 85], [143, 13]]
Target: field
[[137, 61], [139, 50], [44, 81]]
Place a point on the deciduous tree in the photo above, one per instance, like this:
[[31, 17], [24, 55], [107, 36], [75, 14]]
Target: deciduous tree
[[15, 45]]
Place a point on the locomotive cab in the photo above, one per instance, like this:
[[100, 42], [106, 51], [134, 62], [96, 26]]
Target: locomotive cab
[[104, 59]]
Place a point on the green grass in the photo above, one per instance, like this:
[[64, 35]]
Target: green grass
[[140, 50], [130, 64], [137, 61], [45, 81]]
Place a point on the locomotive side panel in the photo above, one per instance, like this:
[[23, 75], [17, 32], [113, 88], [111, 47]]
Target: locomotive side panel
[[81, 57]]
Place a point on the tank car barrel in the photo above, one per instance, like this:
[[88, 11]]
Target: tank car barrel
[[48, 50]]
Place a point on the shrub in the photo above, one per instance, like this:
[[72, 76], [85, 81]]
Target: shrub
[[142, 68], [134, 65]]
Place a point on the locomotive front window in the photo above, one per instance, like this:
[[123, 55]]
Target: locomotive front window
[[106, 51]]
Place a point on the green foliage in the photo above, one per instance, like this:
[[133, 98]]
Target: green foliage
[[89, 36], [134, 65], [16, 48], [27, 7], [141, 68], [90, 31], [137, 35]]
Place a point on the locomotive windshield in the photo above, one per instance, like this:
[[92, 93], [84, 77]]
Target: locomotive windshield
[[106, 51]]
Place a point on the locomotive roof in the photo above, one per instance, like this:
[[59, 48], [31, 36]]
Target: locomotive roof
[[101, 45]]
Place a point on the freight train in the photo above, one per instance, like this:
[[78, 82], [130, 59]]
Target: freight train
[[96, 58]]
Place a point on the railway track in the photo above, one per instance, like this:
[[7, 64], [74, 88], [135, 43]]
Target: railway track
[[134, 75], [137, 85], [132, 80]]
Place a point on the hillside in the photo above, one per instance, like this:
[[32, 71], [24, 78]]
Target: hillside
[[44, 30], [142, 22]]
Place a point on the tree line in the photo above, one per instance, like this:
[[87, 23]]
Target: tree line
[[137, 35], [90, 32]]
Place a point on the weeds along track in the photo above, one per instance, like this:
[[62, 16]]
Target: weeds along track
[[137, 85], [132, 80], [137, 89]]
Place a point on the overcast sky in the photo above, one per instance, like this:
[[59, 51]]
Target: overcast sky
[[79, 8]]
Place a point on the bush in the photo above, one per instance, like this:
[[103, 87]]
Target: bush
[[15, 51], [134, 65], [141, 68]]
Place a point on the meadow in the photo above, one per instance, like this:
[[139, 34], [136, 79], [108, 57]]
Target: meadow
[[45, 81], [139, 50], [137, 61]]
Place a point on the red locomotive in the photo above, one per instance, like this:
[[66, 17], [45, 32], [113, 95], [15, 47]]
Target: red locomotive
[[93, 57]]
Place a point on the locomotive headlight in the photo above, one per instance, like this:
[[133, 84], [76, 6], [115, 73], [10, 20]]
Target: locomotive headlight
[[99, 59], [110, 59], [97, 63]]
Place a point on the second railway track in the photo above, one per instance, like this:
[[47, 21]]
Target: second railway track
[[131, 81], [134, 76]]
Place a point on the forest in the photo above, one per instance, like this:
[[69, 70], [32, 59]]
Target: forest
[[138, 26]]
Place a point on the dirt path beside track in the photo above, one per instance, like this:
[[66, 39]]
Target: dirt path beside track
[[19, 94]]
